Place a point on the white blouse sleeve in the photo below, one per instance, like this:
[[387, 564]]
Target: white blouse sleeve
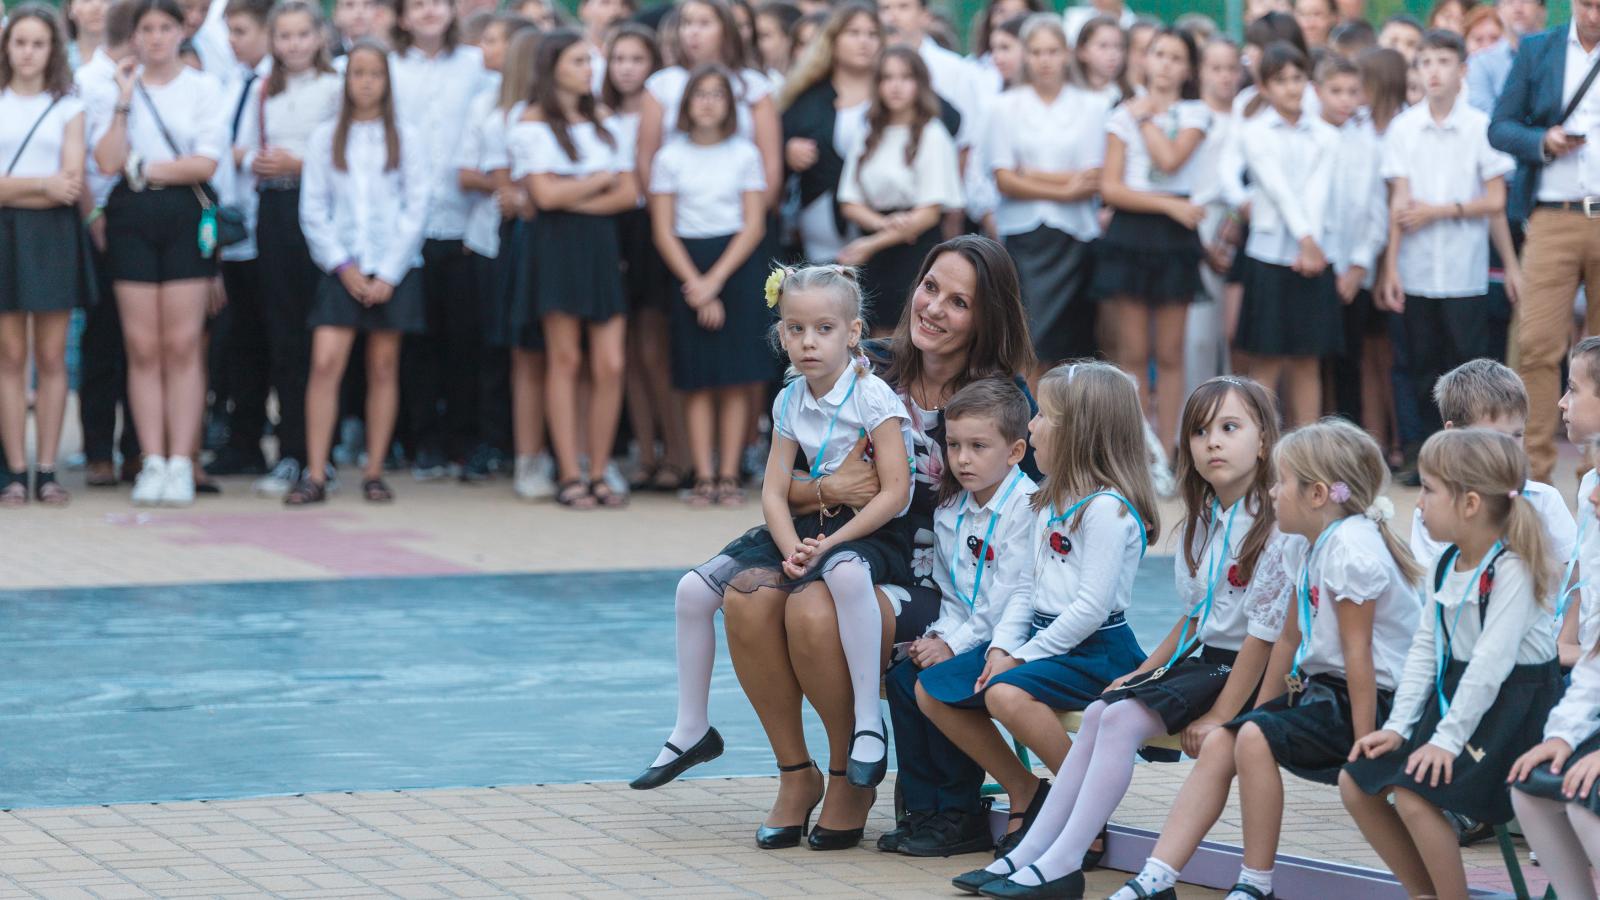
[[533, 150], [878, 403], [1193, 115], [1416, 686], [1122, 125], [938, 170], [757, 87], [953, 611], [1353, 573], [1107, 531], [1271, 590], [752, 177], [1016, 620], [213, 119], [781, 408], [1002, 145], [1513, 612], [1573, 719], [317, 203], [405, 241], [664, 170]]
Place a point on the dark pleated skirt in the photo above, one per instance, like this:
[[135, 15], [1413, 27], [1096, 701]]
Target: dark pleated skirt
[[579, 267], [333, 306], [752, 561], [1312, 733], [46, 264], [1055, 270], [1286, 314], [1544, 784], [1147, 257], [1068, 681], [646, 279], [519, 316], [889, 278], [736, 353], [1511, 726], [1184, 692]]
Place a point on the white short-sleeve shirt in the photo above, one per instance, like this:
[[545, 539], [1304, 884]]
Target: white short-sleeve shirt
[[708, 183], [1065, 135], [1444, 163], [886, 184], [667, 86], [1236, 604], [192, 106], [483, 149], [1001, 530], [1354, 566], [42, 155], [1139, 171], [535, 151], [828, 427]]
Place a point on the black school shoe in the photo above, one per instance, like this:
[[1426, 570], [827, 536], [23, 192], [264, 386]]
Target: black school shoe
[[1068, 887], [1010, 841], [1139, 891], [950, 833], [706, 749], [890, 841], [1249, 891]]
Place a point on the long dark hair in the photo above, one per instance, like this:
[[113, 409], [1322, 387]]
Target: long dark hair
[[1085, 35], [341, 127], [1273, 27], [984, 25], [732, 52], [627, 31], [57, 73], [1000, 344], [730, 115], [924, 109], [1198, 494], [546, 95], [1383, 79], [400, 38], [1190, 89], [278, 79]]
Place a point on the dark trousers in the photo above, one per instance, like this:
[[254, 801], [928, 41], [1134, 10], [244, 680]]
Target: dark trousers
[[440, 368], [1442, 334], [240, 357], [494, 370], [933, 774], [288, 284], [103, 376]]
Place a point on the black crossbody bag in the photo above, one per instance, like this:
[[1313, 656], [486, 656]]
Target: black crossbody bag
[[220, 225], [29, 136]]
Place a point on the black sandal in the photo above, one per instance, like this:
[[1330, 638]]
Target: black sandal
[[702, 495], [667, 479], [48, 491], [575, 494], [376, 491], [604, 496], [305, 493], [13, 489]]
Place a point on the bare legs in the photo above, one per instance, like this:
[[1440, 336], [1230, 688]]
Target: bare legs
[[330, 352], [527, 401], [606, 362], [1200, 801], [161, 326], [1407, 836], [14, 389], [1135, 321], [717, 421], [653, 406], [1303, 384]]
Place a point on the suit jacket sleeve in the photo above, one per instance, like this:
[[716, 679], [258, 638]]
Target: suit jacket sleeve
[[1512, 129]]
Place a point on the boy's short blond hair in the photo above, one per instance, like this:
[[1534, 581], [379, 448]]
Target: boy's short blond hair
[[1479, 391]]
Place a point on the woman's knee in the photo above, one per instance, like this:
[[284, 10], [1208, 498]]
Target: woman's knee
[[1218, 746], [180, 347], [809, 613]]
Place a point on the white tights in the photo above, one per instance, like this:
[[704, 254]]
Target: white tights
[[696, 605], [1567, 838], [1092, 781]]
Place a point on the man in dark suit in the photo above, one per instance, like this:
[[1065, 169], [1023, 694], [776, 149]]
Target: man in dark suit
[[1548, 118]]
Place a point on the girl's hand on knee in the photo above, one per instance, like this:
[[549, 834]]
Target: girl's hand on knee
[[1429, 762], [1580, 778], [1194, 736], [1554, 751], [1118, 682], [998, 663], [1377, 744]]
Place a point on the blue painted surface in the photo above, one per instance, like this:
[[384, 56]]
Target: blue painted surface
[[210, 691]]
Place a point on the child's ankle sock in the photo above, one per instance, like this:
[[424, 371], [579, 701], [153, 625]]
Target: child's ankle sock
[[1154, 877], [1259, 879]]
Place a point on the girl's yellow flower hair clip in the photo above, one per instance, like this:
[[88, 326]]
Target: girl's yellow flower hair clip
[[774, 285]]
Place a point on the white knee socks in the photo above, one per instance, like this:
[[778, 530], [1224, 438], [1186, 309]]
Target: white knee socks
[[1062, 797], [855, 602], [1557, 832], [696, 607]]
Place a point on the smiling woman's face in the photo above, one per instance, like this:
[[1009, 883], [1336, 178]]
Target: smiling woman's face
[[942, 308]]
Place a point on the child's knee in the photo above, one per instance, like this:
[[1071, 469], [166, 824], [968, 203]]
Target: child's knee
[[1006, 702], [1411, 805], [1350, 792], [1251, 742], [695, 596]]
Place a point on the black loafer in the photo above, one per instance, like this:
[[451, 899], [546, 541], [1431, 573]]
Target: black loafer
[[890, 841], [974, 881], [868, 775], [950, 833], [1091, 859], [779, 837], [704, 750], [1009, 842], [1067, 887]]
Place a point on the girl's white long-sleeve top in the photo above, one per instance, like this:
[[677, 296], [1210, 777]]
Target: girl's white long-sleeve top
[[1515, 631], [1575, 719], [1083, 573], [967, 615], [1291, 170], [366, 215]]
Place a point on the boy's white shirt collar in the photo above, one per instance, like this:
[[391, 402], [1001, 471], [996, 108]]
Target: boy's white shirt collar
[[970, 504]]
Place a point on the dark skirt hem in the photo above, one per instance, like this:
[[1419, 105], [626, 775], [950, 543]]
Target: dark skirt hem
[[1069, 681], [334, 307], [738, 352], [1546, 785], [1286, 314], [579, 271], [46, 264], [1311, 734], [752, 561], [1147, 257], [1186, 692]]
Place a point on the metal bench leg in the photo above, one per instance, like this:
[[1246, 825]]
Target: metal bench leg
[[1514, 866]]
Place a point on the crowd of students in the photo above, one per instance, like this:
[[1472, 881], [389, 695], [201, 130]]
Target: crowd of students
[[555, 256]]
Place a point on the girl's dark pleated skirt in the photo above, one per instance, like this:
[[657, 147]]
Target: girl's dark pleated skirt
[[1311, 733], [152, 236], [579, 267], [1287, 314], [752, 561], [1543, 784], [888, 278], [1511, 726], [1147, 257], [333, 306], [46, 264], [1067, 681], [518, 316], [646, 279], [1055, 270], [736, 353], [1185, 692]]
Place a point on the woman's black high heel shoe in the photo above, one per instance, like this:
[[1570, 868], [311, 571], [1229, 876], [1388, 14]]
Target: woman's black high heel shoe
[[778, 837], [868, 775], [838, 839], [704, 750]]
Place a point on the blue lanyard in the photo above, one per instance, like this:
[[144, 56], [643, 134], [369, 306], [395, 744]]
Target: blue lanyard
[[822, 449], [983, 551], [1567, 589], [1144, 542], [1450, 636], [1217, 565], [1304, 592]]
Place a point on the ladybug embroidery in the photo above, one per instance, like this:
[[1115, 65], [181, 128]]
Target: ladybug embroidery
[[976, 546], [1314, 598], [1060, 543], [1485, 583], [1233, 576]]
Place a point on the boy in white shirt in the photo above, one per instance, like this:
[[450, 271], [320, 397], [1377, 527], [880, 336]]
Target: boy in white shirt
[[1446, 182]]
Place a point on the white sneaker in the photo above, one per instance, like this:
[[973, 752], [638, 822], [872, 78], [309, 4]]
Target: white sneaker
[[280, 480], [532, 480], [178, 488], [615, 480], [151, 484]]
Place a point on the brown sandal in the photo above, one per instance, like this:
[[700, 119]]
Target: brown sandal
[[376, 491], [702, 495], [575, 494], [305, 493], [730, 492]]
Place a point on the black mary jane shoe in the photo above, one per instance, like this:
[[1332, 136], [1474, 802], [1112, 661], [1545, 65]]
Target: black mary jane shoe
[[890, 841], [781, 837], [1139, 891], [1091, 859], [868, 775], [1010, 841], [1252, 891], [975, 881], [706, 749], [835, 838], [1068, 887]]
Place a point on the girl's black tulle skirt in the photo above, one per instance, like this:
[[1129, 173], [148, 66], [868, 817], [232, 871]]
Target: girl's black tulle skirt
[[752, 561]]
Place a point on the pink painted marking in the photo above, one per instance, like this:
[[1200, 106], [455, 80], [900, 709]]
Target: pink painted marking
[[306, 537]]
